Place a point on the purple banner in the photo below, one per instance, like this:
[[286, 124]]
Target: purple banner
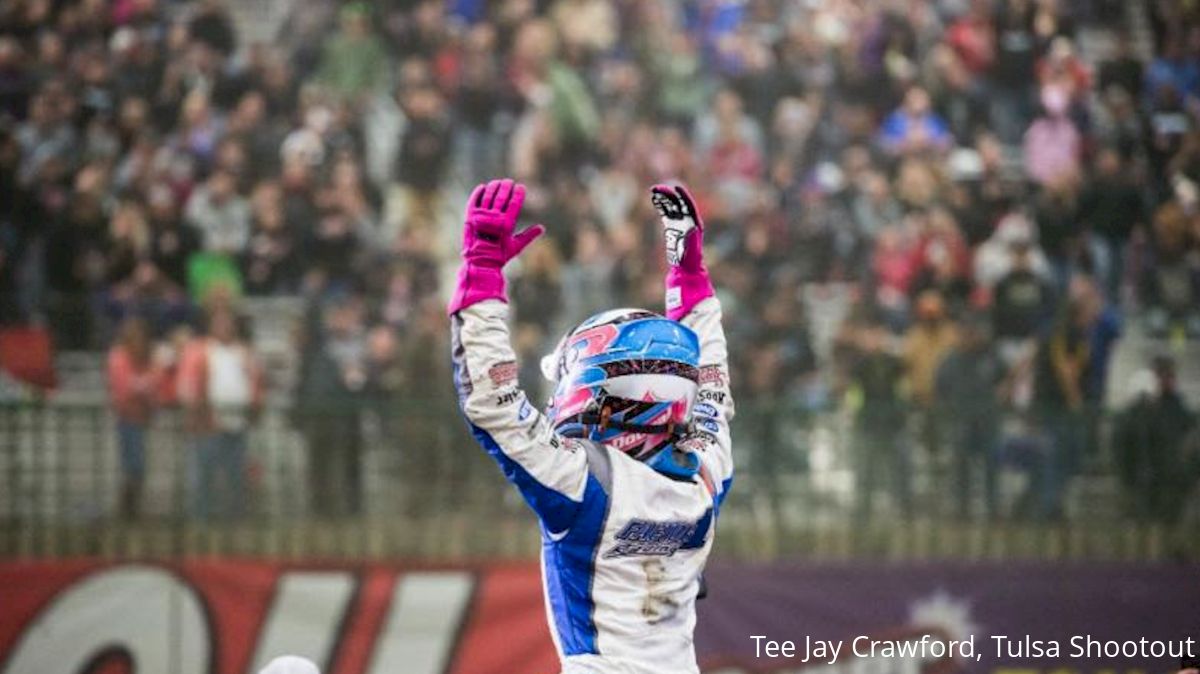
[[939, 618]]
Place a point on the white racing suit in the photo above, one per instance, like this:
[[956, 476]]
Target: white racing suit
[[623, 546]]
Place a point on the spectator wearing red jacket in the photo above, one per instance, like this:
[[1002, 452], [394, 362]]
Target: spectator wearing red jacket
[[221, 389], [133, 382]]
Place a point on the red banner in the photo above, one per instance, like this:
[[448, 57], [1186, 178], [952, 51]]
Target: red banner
[[230, 617]]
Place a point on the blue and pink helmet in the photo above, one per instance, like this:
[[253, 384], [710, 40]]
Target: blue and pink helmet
[[627, 378]]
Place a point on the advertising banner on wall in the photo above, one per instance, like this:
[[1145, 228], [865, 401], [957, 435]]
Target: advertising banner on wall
[[231, 617]]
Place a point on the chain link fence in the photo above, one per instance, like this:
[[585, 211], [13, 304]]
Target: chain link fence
[[396, 480]]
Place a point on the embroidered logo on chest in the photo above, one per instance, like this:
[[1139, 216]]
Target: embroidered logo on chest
[[659, 539]]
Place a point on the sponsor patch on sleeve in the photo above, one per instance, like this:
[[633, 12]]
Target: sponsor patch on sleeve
[[503, 373], [712, 374]]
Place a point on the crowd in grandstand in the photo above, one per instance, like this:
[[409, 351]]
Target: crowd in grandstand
[[998, 202]]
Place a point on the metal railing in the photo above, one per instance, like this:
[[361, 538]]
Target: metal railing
[[424, 489]]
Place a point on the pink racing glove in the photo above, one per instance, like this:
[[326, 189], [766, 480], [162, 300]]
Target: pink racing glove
[[687, 278], [489, 242]]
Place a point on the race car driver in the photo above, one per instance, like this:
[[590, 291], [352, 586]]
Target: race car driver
[[628, 466]]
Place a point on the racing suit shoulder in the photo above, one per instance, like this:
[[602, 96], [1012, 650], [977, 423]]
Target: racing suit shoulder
[[550, 471]]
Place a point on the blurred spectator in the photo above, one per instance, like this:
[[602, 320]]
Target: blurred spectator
[[995, 257], [894, 266], [1124, 70], [481, 100], [968, 383], [385, 376], [973, 36], [1149, 439], [561, 118], [199, 130], [1061, 374], [212, 27], [914, 127], [46, 137], [881, 447], [1102, 323], [425, 149], [220, 214], [1062, 68], [172, 242], [133, 384], [1060, 231], [353, 62], [943, 258], [731, 142], [1119, 124], [1173, 70], [1016, 46], [958, 98], [222, 390], [926, 343], [1169, 124], [587, 283], [15, 83], [589, 25], [1022, 301], [931, 336], [332, 384], [74, 259], [778, 370], [874, 207], [270, 263], [424, 434], [1171, 284], [674, 62], [146, 293], [1112, 207], [335, 250], [1053, 146]]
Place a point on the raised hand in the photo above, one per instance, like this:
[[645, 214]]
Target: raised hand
[[687, 279], [489, 241], [491, 217], [682, 226]]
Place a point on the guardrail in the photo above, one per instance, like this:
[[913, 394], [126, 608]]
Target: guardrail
[[427, 491]]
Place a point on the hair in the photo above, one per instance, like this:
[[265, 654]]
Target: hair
[[133, 336]]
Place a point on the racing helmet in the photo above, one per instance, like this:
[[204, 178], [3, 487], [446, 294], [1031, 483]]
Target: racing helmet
[[627, 378]]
